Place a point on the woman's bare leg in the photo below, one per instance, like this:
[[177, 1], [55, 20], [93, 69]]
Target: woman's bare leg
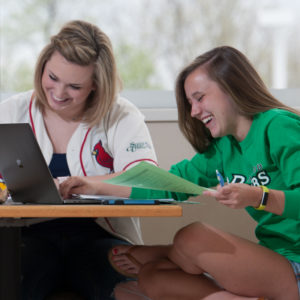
[[129, 290], [163, 280], [238, 265]]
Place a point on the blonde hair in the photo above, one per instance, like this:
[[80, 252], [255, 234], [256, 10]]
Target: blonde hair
[[83, 43], [235, 75]]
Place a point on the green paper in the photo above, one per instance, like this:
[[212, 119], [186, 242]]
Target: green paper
[[148, 176]]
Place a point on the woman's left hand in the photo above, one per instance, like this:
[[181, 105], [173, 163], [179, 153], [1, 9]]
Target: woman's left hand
[[237, 195]]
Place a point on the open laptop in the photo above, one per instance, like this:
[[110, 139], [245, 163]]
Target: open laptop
[[25, 171]]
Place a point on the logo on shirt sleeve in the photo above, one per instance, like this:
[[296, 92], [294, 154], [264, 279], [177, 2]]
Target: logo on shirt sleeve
[[102, 157], [137, 146]]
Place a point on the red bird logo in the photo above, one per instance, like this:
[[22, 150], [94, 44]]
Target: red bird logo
[[102, 157]]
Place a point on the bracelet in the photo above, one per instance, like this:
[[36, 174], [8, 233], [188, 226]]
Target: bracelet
[[2, 186], [264, 198], [3, 193]]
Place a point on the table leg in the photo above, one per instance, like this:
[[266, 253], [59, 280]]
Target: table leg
[[10, 263]]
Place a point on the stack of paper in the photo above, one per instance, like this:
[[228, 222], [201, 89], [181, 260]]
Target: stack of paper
[[145, 175]]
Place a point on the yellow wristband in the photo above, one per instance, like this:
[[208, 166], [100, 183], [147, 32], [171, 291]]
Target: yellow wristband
[[2, 186], [264, 198]]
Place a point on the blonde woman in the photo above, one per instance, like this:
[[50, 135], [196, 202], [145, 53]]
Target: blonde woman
[[86, 129]]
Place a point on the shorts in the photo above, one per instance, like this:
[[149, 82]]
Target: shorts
[[296, 268]]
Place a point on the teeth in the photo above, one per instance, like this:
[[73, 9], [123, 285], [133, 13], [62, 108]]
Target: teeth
[[206, 119], [58, 99]]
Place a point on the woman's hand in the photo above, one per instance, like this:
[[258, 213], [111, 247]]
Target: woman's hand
[[80, 185], [237, 195], [92, 185], [240, 195]]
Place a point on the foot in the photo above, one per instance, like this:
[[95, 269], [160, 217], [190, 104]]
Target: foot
[[128, 259]]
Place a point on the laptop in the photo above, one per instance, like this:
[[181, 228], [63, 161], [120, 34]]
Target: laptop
[[25, 171]]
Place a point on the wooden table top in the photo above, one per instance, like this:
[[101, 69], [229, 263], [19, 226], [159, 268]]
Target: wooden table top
[[44, 211]]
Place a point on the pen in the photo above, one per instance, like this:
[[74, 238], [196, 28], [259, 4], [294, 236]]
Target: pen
[[220, 178]]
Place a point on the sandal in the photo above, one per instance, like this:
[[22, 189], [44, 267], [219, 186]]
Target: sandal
[[130, 258]]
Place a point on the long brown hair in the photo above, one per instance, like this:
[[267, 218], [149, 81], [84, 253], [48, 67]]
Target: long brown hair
[[235, 75], [83, 43]]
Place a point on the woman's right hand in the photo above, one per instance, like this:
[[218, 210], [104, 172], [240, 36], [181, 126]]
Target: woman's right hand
[[79, 185], [92, 185]]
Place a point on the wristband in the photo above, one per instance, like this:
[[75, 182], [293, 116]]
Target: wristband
[[2, 186], [264, 198], [3, 193]]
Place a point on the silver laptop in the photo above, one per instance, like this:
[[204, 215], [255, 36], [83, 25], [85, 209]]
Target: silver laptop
[[25, 171]]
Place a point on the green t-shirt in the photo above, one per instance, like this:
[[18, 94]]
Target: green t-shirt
[[270, 156]]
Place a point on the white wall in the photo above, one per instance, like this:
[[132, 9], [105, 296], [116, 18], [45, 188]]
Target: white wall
[[161, 105]]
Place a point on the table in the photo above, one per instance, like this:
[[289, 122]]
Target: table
[[10, 237], [68, 210]]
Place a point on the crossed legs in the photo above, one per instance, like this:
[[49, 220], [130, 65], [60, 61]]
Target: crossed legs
[[238, 265], [243, 269]]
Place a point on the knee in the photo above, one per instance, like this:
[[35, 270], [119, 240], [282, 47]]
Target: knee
[[188, 239]]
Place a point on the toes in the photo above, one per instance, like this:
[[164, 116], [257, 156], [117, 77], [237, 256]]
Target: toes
[[120, 249]]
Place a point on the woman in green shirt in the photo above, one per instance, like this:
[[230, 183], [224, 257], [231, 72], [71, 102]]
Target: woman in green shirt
[[237, 127]]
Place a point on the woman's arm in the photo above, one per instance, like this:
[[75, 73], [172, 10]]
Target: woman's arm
[[92, 185]]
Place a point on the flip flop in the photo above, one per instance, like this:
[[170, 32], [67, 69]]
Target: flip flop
[[130, 257]]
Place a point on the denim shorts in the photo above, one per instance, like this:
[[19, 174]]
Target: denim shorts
[[296, 268]]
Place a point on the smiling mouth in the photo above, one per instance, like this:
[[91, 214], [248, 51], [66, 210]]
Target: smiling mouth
[[57, 99], [206, 120]]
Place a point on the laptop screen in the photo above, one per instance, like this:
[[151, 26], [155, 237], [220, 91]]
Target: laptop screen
[[23, 167]]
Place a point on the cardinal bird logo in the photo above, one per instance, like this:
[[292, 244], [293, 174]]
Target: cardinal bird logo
[[102, 157]]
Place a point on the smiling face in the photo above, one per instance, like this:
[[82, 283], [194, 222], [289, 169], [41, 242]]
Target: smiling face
[[66, 85], [213, 107]]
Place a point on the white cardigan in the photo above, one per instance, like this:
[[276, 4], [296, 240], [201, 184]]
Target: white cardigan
[[118, 143]]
